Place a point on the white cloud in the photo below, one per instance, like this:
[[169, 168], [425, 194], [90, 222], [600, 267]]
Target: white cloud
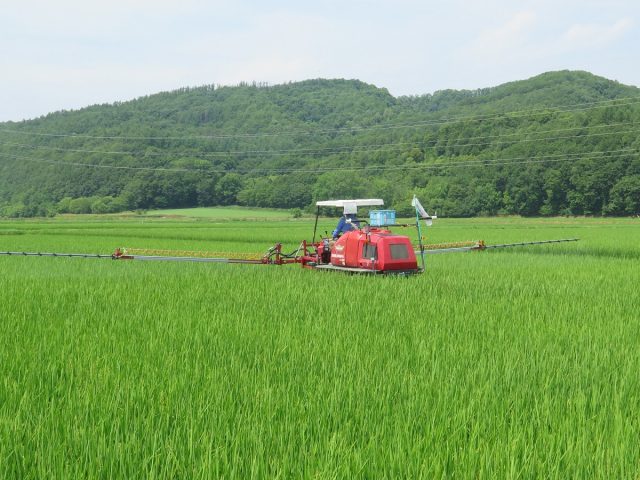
[[505, 39], [71, 53], [580, 36], [273, 47]]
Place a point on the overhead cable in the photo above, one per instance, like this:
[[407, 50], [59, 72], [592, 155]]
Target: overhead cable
[[488, 162], [435, 122], [324, 150]]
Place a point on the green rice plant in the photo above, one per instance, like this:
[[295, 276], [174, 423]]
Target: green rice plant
[[520, 363]]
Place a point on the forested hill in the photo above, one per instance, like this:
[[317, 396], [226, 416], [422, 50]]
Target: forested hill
[[559, 143]]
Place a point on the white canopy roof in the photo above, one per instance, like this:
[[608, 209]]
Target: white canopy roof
[[351, 206], [360, 202]]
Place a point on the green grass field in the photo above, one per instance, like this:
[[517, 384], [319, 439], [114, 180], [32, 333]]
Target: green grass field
[[224, 213], [520, 363]]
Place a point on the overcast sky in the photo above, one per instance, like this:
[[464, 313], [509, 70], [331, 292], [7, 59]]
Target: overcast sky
[[66, 54]]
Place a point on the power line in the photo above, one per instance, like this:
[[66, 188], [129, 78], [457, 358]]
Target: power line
[[97, 165], [478, 162], [544, 159], [338, 149], [438, 122], [460, 164]]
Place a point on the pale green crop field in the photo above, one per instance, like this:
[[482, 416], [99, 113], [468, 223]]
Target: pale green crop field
[[520, 363], [223, 213]]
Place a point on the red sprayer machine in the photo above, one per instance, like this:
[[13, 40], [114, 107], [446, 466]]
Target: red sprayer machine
[[367, 247], [356, 246]]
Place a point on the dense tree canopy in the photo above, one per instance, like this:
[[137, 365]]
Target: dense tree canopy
[[559, 143]]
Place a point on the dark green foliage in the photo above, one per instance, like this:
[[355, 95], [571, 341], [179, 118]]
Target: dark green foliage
[[625, 197], [246, 145]]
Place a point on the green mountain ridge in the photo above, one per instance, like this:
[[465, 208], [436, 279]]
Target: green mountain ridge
[[558, 143]]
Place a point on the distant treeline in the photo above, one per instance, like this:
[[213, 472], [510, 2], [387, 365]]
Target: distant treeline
[[562, 143]]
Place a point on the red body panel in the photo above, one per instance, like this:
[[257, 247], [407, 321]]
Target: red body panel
[[377, 249]]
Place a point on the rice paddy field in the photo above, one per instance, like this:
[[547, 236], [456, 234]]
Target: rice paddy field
[[222, 213], [519, 363]]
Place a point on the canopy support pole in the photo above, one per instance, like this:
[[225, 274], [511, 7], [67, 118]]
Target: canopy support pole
[[420, 239], [315, 226]]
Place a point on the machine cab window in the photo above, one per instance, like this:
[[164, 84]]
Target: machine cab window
[[369, 251], [399, 251]]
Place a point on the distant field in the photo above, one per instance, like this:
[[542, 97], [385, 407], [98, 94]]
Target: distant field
[[520, 363], [224, 213]]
